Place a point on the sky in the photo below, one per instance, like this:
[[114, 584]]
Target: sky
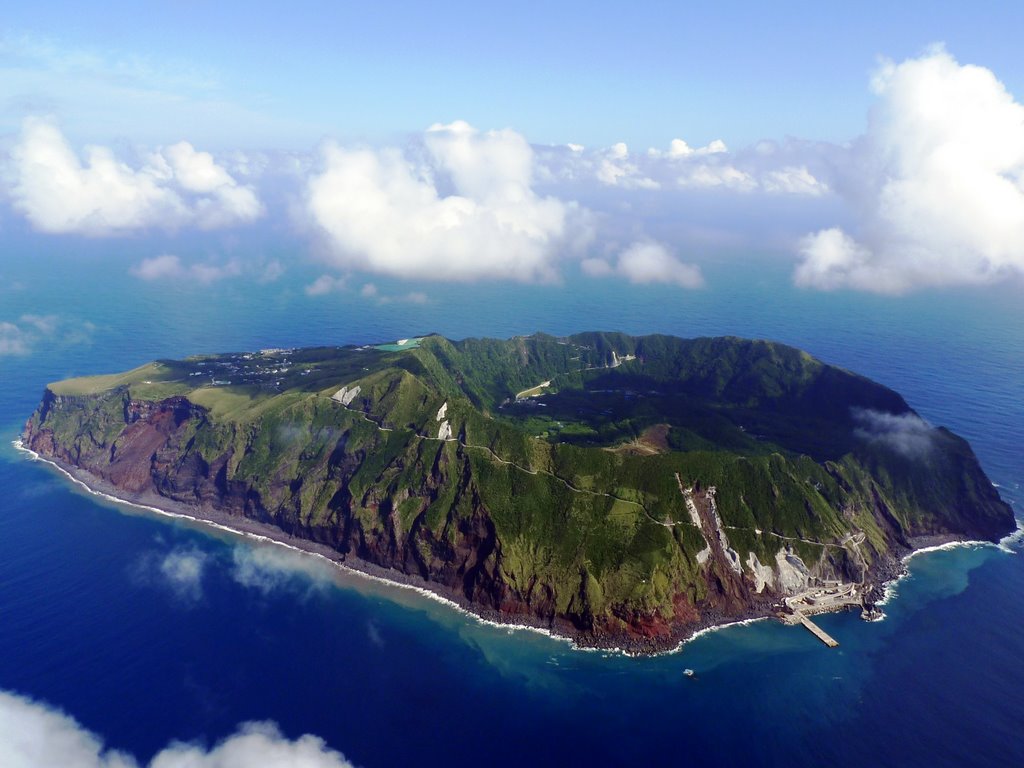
[[592, 73], [371, 151], [863, 148]]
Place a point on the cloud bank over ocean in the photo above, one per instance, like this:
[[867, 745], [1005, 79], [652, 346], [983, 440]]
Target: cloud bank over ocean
[[930, 195], [172, 187], [22, 335]]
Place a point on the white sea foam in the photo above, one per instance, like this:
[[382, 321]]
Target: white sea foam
[[1012, 542], [969, 544], [891, 588], [718, 627]]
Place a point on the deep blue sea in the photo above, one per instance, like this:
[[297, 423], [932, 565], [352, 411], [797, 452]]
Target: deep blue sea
[[148, 630]]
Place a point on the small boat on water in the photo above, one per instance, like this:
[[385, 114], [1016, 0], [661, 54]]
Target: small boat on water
[[689, 672]]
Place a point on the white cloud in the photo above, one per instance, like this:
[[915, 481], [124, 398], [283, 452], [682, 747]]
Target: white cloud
[[19, 338], [196, 171], [646, 262], [615, 168], [36, 736], [183, 571], [14, 340], [905, 433], [463, 209], [222, 202], [180, 571], [259, 744], [833, 259], [325, 284], [678, 149], [682, 167], [370, 291], [937, 184], [611, 172], [718, 175], [268, 569], [170, 267], [412, 297], [793, 180], [159, 268], [45, 324], [649, 262], [103, 195]]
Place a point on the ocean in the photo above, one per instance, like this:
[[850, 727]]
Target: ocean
[[148, 630]]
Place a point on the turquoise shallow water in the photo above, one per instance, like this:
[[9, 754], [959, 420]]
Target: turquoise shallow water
[[101, 616]]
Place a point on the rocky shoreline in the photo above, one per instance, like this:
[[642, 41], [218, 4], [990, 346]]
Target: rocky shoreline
[[885, 572]]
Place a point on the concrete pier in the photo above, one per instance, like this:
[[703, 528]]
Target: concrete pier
[[817, 631]]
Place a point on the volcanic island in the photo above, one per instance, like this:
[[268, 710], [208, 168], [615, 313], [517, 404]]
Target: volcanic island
[[621, 491]]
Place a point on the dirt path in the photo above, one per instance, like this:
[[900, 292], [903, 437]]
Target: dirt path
[[699, 523], [521, 468]]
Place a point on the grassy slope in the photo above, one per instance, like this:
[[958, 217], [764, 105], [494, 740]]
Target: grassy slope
[[768, 425]]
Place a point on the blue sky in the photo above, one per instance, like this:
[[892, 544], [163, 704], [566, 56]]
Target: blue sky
[[862, 147], [591, 73]]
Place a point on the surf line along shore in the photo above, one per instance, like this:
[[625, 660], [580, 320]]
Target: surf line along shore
[[256, 531], [260, 532]]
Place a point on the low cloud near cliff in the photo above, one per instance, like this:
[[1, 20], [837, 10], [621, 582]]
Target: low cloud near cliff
[[180, 571], [268, 569], [906, 433]]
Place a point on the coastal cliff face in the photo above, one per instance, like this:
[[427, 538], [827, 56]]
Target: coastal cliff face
[[649, 487]]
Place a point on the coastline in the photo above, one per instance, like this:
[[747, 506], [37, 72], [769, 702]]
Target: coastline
[[887, 586], [254, 530], [890, 588]]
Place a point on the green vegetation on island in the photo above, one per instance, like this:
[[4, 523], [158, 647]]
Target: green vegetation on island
[[622, 489]]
